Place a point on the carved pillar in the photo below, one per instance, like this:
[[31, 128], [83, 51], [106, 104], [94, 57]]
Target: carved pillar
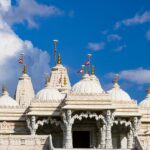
[[67, 129], [103, 136], [99, 138], [31, 124], [130, 139], [135, 129], [123, 142], [108, 129], [135, 126]]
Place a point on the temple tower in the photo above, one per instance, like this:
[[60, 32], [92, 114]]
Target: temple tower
[[25, 91]]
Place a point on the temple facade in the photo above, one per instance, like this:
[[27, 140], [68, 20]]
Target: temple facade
[[61, 116]]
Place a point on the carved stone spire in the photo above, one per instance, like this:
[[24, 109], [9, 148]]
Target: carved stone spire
[[24, 92]]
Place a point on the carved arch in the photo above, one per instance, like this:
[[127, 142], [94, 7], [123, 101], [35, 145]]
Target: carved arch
[[89, 115]]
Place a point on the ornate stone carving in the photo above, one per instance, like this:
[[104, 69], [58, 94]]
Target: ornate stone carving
[[122, 122], [103, 136], [135, 129], [31, 124], [135, 125], [130, 139], [89, 115], [109, 123], [67, 129], [4, 126]]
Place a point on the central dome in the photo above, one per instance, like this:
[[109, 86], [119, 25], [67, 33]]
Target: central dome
[[87, 86], [49, 94]]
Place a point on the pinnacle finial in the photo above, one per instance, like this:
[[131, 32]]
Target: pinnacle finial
[[116, 78], [4, 89], [148, 90], [93, 70], [24, 71], [59, 59]]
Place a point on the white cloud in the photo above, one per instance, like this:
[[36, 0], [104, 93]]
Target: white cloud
[[137, 19], [148, 35], [138, 76], [120, 48], [96, 46], [5, 5], [11, 46], [114, 37], [27, 10]]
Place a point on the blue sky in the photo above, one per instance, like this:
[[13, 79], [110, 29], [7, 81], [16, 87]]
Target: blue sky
[[116, 33]]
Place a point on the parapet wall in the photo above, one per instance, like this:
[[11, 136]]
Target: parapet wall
[[24, 142]]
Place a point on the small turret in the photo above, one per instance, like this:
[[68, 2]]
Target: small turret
[[25, 91]]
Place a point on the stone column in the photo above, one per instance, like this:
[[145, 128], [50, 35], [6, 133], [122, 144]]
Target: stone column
[[98, 138], [130, 139], [135, 126], [103, 136], [31, 124], [135, 129], [67, 129], [108, 129], [123, 141]]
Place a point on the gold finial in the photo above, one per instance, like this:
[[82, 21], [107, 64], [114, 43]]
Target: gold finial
[[93, 70], [116, 78], [65, 81], [24, 71], [59, 59], [4, 89], [148, 90]]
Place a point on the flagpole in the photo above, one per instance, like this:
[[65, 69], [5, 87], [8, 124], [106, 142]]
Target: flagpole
[[55, 51], [83, 68], [89, 59]]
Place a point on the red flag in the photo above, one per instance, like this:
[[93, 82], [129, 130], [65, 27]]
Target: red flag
[[20, 60], [87, 62], [80, 71]]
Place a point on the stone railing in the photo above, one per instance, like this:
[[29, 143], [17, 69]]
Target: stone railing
[[24, 142], [28, 142], [138, 144]]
